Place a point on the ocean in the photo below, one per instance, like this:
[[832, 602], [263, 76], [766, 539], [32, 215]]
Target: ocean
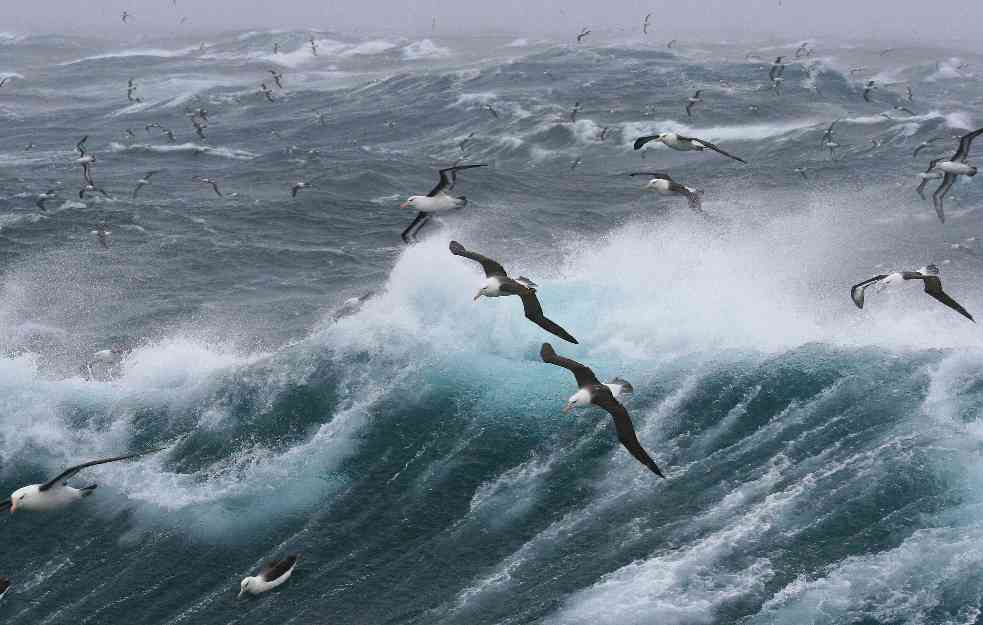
[[824, 463]]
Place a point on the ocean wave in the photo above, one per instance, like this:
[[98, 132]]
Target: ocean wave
[[424, 49], [185, 148]]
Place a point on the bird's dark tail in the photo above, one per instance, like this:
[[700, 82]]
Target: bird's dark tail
[[464, 199], [88, 490]]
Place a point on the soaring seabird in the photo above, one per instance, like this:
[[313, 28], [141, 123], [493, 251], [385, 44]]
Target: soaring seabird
[[313, 46], [909, 96], [801, 50], [574, 111], [437, 200], [671, 44], [499, 284], [103, 233], [272, 575], [955, 166], [645, 23], [210, 181], [604, 133], [85, 159], [802, 172], [929, 174], [276, 47], [277, 76], [683, 144], [693, 101], [583, 33], [576, 163], [5, 80], [490, 109], [776, 84], [776, 70], [56, 493], [868, 89], [925, 144], [591, 391], [663, 184], [929, 275], [50, 194], [126, 16], [297, 186], [266, 91], [464, 143], [831, 146], [141, 183]]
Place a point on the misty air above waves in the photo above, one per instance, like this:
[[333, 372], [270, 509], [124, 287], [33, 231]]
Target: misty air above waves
[[822, 461]]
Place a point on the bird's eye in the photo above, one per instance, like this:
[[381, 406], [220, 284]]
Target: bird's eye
[[21, 497]]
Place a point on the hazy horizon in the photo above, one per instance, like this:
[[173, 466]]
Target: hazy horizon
[[752, 19]]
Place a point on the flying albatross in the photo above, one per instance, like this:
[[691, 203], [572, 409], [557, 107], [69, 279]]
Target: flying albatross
[[56, 493], [438, 200], [663, 184], [693, 101], [683, 144], [956, 166], [929, 275], [141, 183], [272, 575], [591, 391], [499, 284]]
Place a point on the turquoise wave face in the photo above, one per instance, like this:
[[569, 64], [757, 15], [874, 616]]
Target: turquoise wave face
[[823, 462]]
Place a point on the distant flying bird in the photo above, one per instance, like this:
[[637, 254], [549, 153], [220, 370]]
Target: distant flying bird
[[5, 80], [693, 101], [576, 163], [499, 284], [126, 16], [868, 90], [776, 70], [209, 181], [141, 183], [300, 184], [645, 24], [671, 44], [490, 109], [313, 46], [276, 47], [802, 172], [266, 91], [50, 194], [583, 33], [573, 113], [277, 76], [102, 233], [928, 275]]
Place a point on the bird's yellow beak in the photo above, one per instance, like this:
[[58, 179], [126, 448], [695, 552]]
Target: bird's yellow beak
[[568, 407], [13, 506], [404, 205], [241, 592], [477, 296]]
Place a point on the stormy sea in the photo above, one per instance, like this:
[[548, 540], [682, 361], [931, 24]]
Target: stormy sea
[[823, 463]]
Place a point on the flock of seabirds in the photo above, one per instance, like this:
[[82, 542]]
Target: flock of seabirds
[[56, 493]]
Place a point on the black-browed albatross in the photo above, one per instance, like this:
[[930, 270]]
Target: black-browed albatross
[[683, 144], [958, 165], [56, 493], [928, 275], [272, 575], [438, 200], [499, 284], [663, 184], [591, 391]]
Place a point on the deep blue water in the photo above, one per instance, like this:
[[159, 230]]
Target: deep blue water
[[824, 463]]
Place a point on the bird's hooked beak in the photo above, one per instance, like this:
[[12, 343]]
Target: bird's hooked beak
[[568, 407], [477, 296], [404, 204], [13, 506], [241, 593]]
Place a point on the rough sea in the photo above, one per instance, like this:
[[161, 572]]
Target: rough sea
[[824, 463]]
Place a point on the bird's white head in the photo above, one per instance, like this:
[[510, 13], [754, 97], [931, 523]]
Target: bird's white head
[[23, 498], [410, 202], [244, 587], [580, 398], [662, 136]]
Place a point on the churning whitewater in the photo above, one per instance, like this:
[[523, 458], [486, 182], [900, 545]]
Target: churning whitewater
[[822, 462]]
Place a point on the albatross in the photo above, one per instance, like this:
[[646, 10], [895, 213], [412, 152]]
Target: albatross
[[499, 284], [591, 391], [928, 275], [438, 200], [56, 493], [958, 165], [141, 183], [693, 101], [272, 575], [683, 144], [663, 184]]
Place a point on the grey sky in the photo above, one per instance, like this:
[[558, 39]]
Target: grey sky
[[900, 19]]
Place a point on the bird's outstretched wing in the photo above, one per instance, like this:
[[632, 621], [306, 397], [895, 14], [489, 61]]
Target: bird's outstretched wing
[[626, 431], [692, 196], [582, 373], [947, 181], [447, 176], [933, 286], [641, 141], [653, 175], [277, 568], [70, 472], [965, 142], [716, 149], [857, 290], [80, 146], [534, 313], [491, 267]]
